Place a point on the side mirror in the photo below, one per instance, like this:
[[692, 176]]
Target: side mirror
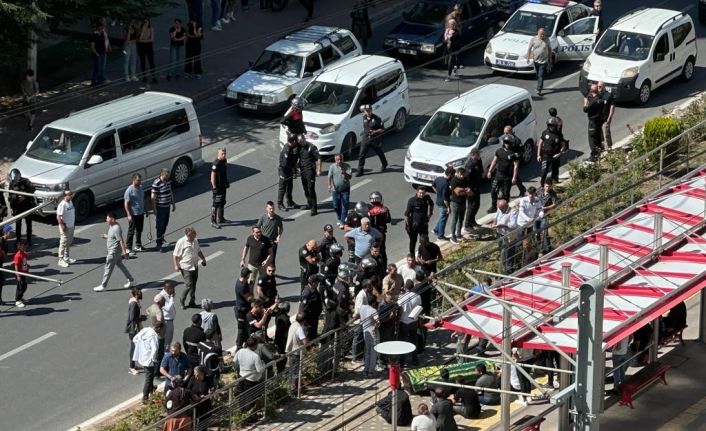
[[493, 141], [29, 144], [94, 160], [659, 56]]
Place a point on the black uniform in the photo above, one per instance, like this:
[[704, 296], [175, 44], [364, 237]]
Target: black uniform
[[311, 306], [343, 296], [518, 148], [474, 173], [324, 247], [329, 270], [502, 181], [220, 167], [294, 121], [287, 167], [305, 268], [379, 216], [308, 158], [552, 144], [268, 285], [418, 214], [374, 123], [352, 221], [594, 111], [20, 204]]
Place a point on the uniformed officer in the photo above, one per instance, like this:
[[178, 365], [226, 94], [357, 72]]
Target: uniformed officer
[[330, 270], [373, 127], [549, 150], [518, 148], [505, 166], [326, 242], [475, 174], [287, 168], [380, 260], [312, 305], [341, 288], [554, 113], [293, 119], [219, 184], [21, 203], [379, 216], [416, 217], [353, 218], [593, 107], [308, 261], [310, 168]]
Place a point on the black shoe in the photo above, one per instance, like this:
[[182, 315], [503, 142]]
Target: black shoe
[[314, 212], [492, 210], [192, 304], [183, 304], [225, 221], [359, 172], [292, 205], [282, 207], [383, 168]]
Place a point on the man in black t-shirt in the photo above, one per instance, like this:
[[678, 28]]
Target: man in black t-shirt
[[267, 286], [475, 174], [505, 165], [469, 406], [310, 168], [100, 46], [243, 294], [372, 129], [219, 184], [416, 217], [429, 255], [177, 37], [259, 248], [308, 261], [551, 146], [460, 190]]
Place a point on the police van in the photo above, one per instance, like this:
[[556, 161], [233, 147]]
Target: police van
[[568, 26], [641, 51], [287, 66]]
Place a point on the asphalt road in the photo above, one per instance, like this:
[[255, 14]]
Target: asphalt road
[[64, 357]]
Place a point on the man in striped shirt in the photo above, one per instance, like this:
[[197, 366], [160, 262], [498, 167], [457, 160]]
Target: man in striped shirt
[[162, 199]]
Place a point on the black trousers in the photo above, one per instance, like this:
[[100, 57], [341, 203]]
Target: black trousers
[[18, 225], [218, 205], [309, 185], [190, 279], [136, 224], [500, 188], [595, 137], [148, 386], [284, 191], [408, 332], [550, 166], [192, 63], [376, 146], [414, 233], [472, 207], [242, 327], [145, 51]]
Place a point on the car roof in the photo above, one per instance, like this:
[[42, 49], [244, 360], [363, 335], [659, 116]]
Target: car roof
[[305, 41], [484, 100], [645, 21], [97, 118], [549, 7], [350, 71]]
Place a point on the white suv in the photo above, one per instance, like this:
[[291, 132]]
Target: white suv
[[286, 66], [470, 121], [641, 51], [333, 99]]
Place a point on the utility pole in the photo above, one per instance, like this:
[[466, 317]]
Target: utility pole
[[32, 41]]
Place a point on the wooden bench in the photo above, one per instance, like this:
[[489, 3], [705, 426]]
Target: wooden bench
[[524, 419], [637, 382], [674, 335]]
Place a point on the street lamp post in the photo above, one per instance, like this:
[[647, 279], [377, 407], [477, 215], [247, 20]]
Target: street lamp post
[[394, 349]]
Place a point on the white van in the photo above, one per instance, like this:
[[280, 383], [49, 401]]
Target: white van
[[285, 67], [641, 51], [333, 99], [95, 151], [466, 122]]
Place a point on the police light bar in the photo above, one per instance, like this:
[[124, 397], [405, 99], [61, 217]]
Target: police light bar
[[560, 3]]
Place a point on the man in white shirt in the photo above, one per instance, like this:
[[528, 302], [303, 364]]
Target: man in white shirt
[[250, 368], [168, 311], [505, 223], [147, 354], [296, 338], [66, 219], [185, 256], [530, 209], [407, 301], [368, 319], [409, 270]]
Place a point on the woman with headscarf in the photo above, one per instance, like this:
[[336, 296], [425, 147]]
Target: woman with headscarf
[[209, 320]]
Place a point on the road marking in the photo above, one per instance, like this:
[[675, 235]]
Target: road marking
[[208, 259], [27, 345], [330, 198], [562, 80], [84, 227], [241, 155]]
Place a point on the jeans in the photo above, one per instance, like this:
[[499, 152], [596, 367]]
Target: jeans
[[21, 288], [130, 336], [619, 373], [98, 75], [541, 226], [357, 336], [130, 64], [340, 204], [458, 211], [137, 223], [175, 66], [190, 279], [541, 69], [162, 220], [440, 228], [488, 402], [149, 381], [145, 50], [215, 13], [66, 237], [111, 261], [370, 356]]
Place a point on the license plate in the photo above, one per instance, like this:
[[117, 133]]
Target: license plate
[[249, 106], [408, 51], [505, 63], [426, 177]]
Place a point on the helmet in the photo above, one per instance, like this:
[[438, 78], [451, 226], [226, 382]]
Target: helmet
[[301, 140], [347, 272], [298, 102], [364, 108], [14, 175], [552, 111], [368, 263], [284, 306], [328, 227], [336, 249], [362, 208], [376, 197], [552, 122]]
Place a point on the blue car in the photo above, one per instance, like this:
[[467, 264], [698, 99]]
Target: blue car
[[420, 34]]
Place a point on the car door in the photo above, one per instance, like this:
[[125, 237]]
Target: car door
[[576, 40], [472, 22], [387, 95], [680, 34], [662, 60], [103, 179]]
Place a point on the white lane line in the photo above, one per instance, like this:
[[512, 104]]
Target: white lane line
[[328, 199], [241, 155], [208, 259], [84, 227], [27, 345], [562, 80]]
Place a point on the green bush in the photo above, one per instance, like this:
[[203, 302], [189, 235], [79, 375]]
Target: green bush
[[657, 131]]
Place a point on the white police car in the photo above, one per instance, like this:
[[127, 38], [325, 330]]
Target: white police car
[[286, 67], [570, 29]]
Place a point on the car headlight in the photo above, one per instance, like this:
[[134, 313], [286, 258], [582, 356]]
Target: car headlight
[[232, 94], [408, 156], [489, 49], [60, 187], [269, 100], [586, 66], [428, 48], [330, 128], [457, 163], [630, 72]]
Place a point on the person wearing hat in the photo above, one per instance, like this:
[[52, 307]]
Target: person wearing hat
[[243, 295], [518, 148], [326, 242], [549, 150], [373, 127], [339, 185], [379, 216], [4, 238]]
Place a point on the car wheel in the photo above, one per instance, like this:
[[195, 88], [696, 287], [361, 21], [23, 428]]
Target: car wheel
[[400, 120], [347, 146], [83, 204], [528, 152], [644, 94], [180, 172], [687, 71]]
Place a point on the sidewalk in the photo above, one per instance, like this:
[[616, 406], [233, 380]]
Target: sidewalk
[[226, 54]]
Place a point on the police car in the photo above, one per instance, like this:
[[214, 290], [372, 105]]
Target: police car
[[286, 67], [570, 29]]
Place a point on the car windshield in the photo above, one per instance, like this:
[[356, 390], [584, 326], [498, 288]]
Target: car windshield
[[427, 13], [328, 98], [277, 63], [624, 45], [454, 130], [526, 22], [59, 146]]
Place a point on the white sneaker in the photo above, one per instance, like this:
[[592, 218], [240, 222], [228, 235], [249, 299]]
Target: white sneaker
[[465, 231], [70, 260], [62, 263], [225, 20], [137, 248], [127, 78], [231, 16], [19, 304], [131, 253], [216, 28], [129, 284], [99, 288]]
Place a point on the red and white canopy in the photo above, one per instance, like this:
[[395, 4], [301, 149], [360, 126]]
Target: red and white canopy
[[636, 294]]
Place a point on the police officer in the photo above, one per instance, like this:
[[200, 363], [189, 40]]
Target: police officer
[[373, 127], [312, 305], [549, 150], [308, 261], [330, 270], [475, 174], [505, 166], [293, 119], [310, 168], [353, 221], [380, 261], [341, 289], [21, 203], [593, 107], [379, 216], [554, 113], [518, 148], [416, 217], [287, 168], [326, 242], [219, 184]]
